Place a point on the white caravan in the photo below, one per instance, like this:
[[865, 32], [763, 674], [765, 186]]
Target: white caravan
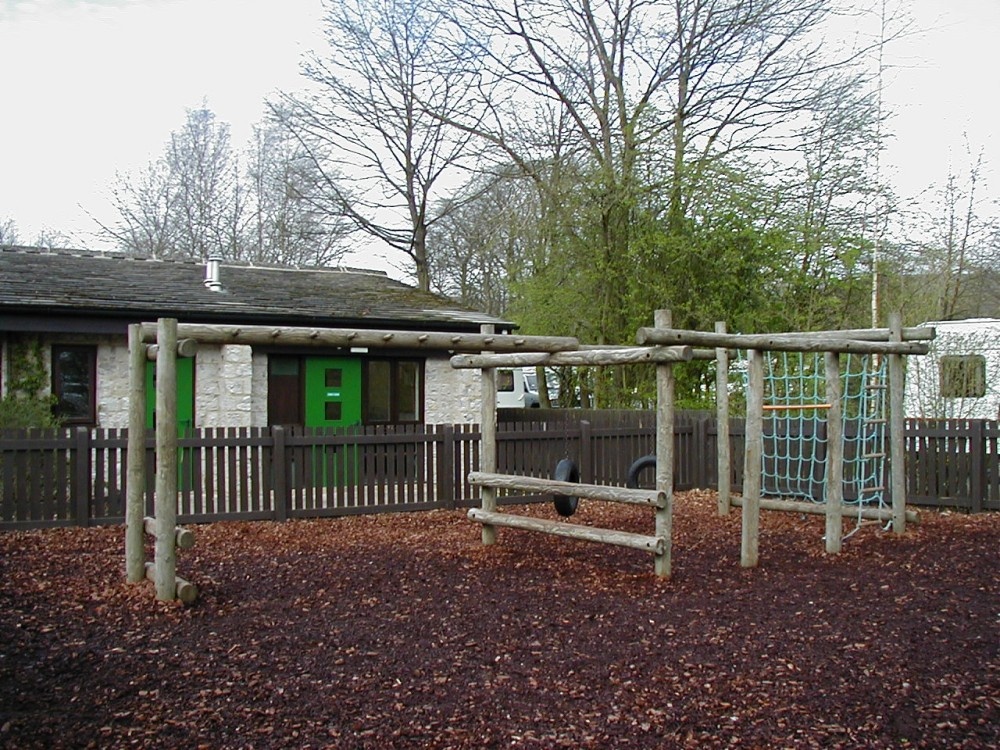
[[960, 377]]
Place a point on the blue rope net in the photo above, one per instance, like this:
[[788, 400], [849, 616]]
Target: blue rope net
[[794, 429]]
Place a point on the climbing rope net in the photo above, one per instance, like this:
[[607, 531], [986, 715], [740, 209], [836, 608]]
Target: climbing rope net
[[794, 431]]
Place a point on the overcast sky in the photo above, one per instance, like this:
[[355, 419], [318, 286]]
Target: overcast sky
[[88, 88]]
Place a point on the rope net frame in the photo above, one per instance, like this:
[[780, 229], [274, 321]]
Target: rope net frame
[[793, 456]]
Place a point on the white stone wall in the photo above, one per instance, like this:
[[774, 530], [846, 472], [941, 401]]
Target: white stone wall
[[222, 384], [258, 391], [450, 396], [112, 382]]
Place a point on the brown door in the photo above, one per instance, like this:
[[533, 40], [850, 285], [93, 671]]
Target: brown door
[[284, 390]]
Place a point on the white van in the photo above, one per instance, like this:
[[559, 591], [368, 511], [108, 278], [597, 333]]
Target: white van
[[513, 391]]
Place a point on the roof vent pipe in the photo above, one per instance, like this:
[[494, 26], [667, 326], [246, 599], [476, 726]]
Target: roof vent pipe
[[212, 280]]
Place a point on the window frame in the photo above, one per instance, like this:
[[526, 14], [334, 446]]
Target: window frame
[[395, 384], [58, 383], [962, 375]]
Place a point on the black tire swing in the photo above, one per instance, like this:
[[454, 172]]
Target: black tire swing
[[639, 465], [566, 471]]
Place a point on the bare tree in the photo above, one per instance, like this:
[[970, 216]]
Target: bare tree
[[959, 240], [484, 245], [185, 203], [200, 198], [368, 105], [203, 170], [289, 222], [8, 232], [144, 203]]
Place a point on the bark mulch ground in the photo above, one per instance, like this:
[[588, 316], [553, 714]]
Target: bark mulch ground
[[403, 631]]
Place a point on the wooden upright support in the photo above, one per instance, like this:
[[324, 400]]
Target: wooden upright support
[[488, 442], [834, 455], [750, 536], [135, 500], [166, 460], [897, 446], [722, 418], [664, 455]]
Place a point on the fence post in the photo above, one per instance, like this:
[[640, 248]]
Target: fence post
[[279, 475], [446, 477], [586, 452], [977, 467], [698, 455], [81, 484]]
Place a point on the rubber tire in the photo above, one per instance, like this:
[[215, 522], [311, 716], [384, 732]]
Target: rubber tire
[[632, 481], [566, 471]]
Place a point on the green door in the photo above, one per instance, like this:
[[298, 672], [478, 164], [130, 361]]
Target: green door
[[332, 399], [185, 414], [185, 394], [333, 392]]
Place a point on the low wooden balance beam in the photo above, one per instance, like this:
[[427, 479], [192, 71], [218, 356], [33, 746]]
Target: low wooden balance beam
[[642, 542]]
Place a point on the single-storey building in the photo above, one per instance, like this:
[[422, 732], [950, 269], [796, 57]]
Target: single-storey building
[[69, 311]]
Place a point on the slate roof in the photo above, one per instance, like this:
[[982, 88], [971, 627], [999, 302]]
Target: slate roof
[[39, 281]]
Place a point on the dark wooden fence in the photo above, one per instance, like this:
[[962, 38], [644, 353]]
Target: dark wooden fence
[[77, 477]]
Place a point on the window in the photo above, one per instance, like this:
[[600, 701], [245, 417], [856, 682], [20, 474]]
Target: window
[[74, 383], [505, 381], [963, 376], [393, 391]]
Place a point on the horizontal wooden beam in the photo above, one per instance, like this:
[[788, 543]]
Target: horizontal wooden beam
[[819, 509], [185, 348], [183, 538], [820, 341], [538, 485], [571, 530], [187, 592], [582, 357], [364, 338], [919, 333]]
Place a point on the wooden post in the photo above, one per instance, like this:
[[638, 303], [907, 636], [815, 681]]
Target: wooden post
[[488, 440], [82, 474], [834, 455], [135, 499], [750, 539], [446, 478], [586, 466], [722, 419], [662, 561], [166, 460], [279, 473], [897, 441]]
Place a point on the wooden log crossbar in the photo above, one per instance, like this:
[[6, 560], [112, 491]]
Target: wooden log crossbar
[[186, 591], [615, 356], [183, 538], [605, 492], [347, 337], [185, 348], [820, 341], [641, 542], [819, 509]]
